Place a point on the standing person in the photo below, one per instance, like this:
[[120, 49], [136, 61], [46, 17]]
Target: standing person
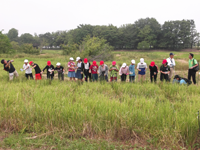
[[132, 71], [171, 64], [8, 66], [103, 71], [50, 70], [79, 71], [113, 71], [60, 70], [71, 69], [164, 71], [153, 71], [141, 67], [192, 65], [27, 68], [123, 72], [93, 69], [35, 66], [86, 70]]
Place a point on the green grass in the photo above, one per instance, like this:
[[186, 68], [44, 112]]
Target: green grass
[[72, 115]]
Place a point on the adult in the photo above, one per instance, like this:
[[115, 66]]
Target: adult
[[27, 68], [113, 71], [50, 70], [35, 66], [60, 70], [192, 65], [79, 71], [86, 70], [171, 63], [153, 68], [71, 69], [93, 69], [178, 79], [141, 67], [8, 66], [103, 71], [164, 71], [132, 71], [123, 72]]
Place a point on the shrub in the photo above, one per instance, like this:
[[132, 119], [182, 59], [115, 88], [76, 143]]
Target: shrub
[[29, 49], [5, 46], [143, 45]]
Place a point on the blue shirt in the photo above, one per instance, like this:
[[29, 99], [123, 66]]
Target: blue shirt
[[132, 70]]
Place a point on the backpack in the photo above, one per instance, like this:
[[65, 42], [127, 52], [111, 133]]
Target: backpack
[[197, 67], [187, 81]]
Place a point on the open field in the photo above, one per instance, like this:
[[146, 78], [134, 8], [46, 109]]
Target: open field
[[73, 115]]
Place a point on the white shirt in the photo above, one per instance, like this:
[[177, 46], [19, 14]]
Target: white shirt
[[87, 65], [140, 66], [171, 62], [27, 71], [79, 64]]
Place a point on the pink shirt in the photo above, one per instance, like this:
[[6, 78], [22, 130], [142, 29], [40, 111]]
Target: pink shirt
[[123, 70], [71, 64]]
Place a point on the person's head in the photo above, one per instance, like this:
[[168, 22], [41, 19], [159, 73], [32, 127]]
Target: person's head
[[133, 62], [177, 77], [171, 55], [48, 63], [191, 56], [31, 63], [25, 61], [141, 60], [58, 65], [71, 59], [78, 59], [123, 65], [94, 63], [152, 64], [114, 63], [164, 62], [85, 60], [3, 61], [101, 63]]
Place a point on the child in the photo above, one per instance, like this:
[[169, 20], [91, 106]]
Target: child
[[60, 70], [123, 72], [103, 71], [86, 69], [132, 71], [141, 67], [113, 71], [38, 75], [153, 71], [71, 69], [28, 71], [93, 69], [50, 70], [164, 71], [80, 66]]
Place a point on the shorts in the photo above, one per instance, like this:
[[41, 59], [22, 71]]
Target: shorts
[[38, 76], [113, 79], [71, 74], [95, 77], [11, 75]]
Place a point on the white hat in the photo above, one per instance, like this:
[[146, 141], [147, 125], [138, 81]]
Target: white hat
[[124, 65], [78, 58], [71, 58], [133, 61], [58, 64], [26, 60], [141, 60]]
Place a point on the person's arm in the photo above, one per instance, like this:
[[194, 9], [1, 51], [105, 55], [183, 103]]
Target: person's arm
[[33, 67], [110, 69], [174, 62], [195, 62], [138, 67], [8, 63], [106, 73], [127, 70], [146, 67], [82, 67], [44, 69], [120, 72]]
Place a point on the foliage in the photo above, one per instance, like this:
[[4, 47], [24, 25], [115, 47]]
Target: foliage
[[13, 34], [15, 45], [69, 49], [29, 49], [143, 45], [5, 46]]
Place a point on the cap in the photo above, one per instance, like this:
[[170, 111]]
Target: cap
[[164, 61], [30, 62], [124, 65], [94, 62], [114, 63], [2, 61], [58, 64], [48, 63], [152, 63], [78, 58], [141, 60], [26, 60], [101, 62], [85, 60], [133, 61], [171, 54], [71, 58]]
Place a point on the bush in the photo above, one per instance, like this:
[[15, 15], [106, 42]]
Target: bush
[[5, 46], [15, 46], [29, 49], [143, 45], [70, 48]]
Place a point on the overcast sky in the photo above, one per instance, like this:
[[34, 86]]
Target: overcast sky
[[40, 16]]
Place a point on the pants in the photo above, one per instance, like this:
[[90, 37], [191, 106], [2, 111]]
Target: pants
[[113, 79], [171, 73], [87, 74], [153, 76], [60, 76], [102, 77], [131, 78], [50, 76], [95, 77], [192, 73], [38, 76], [30, 74], [164, 77], [123, 77], [11, 75]]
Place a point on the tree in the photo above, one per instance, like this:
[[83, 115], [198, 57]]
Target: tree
[[5, 46], [144, 45], [193, 33], [13, 34], [15, 45], [27, 38]]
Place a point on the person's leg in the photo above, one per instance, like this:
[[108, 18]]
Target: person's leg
[[11, 75], [130, 78], [26, 75], [122, 78], [151, 77], [139, 77], [125, 77], [155, 78], [133, 78], [189, 74], [106, 78], [194, 76], [86, 75], [96, 77], [62, 76], [16, 74], [171, 73], [143, 78], [31, 76]]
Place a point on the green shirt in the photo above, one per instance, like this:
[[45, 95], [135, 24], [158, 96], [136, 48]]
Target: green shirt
[[191, 62], [113, 73]]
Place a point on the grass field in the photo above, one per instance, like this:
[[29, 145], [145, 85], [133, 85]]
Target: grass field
[[73, 115]]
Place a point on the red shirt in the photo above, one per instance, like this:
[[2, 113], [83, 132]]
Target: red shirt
[[94, 69]]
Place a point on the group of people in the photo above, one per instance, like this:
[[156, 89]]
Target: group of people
[[94, 71]]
